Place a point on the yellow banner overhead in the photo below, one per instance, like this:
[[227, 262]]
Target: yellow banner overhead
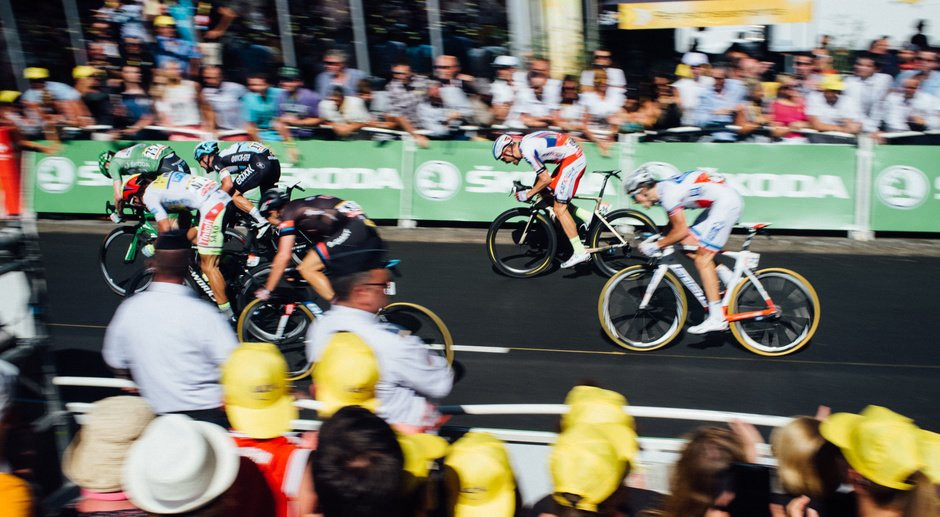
[[671, 14]]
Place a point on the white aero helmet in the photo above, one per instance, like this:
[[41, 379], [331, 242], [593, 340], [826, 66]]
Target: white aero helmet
[[501, 142], [649, 172]]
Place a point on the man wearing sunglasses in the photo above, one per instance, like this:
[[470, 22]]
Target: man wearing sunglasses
[[336, 73]]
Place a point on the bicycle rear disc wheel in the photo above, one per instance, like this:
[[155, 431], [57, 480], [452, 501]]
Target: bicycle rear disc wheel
[[795, 322], [121, 258], [422, 322], [633, 328], [621, 242], [285, 325], [521, 244]]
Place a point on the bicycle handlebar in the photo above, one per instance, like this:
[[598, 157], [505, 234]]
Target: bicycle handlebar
[[615, 173]]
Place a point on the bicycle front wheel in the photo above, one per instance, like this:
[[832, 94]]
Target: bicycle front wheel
[[616, 238], [422, 322], [121, 259], [636, 328], [521, 242], [283, 324], [790, 328]]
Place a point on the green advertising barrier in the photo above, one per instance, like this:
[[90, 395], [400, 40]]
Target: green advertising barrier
[[906, 189], [460, 181], [368, 172], [791, 186]]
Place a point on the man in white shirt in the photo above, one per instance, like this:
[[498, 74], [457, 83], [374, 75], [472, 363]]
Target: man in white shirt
[[603, 60], [534, 106], [409, 374], [830, 110], [910, 109], [691, 88], [504, 87], [346, 114], [868, 88], [170, 342]]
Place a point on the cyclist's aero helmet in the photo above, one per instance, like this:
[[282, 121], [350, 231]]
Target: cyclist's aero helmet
[[103, 160], [272, 199], [638, 179], [133, 187], [208, 147], [501, 144]]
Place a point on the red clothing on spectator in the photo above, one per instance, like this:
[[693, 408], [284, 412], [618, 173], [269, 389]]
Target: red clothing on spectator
[[282, 462], [9, 173], [786, 114]]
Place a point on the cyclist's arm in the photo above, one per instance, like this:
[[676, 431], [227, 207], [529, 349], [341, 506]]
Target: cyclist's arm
[[285, 246], [542, 180], [678, 231], [228, 186]]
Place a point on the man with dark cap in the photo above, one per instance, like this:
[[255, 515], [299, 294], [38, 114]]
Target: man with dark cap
[[175, 355], [297, 106]]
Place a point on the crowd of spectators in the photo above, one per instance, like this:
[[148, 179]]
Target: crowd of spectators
[[158, 65]]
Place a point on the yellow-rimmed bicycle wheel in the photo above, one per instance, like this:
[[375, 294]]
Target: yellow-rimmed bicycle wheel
[[785, 332], [270, 321], [642, 329], [422, 322]]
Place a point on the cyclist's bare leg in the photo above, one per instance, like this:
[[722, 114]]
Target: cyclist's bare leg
[[567, 222], [242, 202], [210, 267], [311, 268], [704, 260]]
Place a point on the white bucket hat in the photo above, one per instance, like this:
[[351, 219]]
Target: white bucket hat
[[179, 465]]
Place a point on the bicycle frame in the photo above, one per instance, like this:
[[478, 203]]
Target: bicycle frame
[[745, 262]]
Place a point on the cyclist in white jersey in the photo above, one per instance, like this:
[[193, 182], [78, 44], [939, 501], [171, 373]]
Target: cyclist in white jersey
[[701, 188], [550, 147], [179, 192]]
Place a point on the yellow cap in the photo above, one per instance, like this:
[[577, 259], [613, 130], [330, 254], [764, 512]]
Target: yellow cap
[[35, 72], [257, 399], [83, 71], [831, 82], [590, 461], [420, 451], [346, 375], [683, 70], [930, 453], [487, 485], [164, 21], [9, 96], [592, 405], [879, 444]]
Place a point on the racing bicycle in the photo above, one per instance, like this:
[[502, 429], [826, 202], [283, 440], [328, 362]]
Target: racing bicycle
[[522, 242], [285, 317], [771, 312]]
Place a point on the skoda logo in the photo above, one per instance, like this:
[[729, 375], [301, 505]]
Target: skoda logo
[[902, 187], [55, 174], [436, 180]]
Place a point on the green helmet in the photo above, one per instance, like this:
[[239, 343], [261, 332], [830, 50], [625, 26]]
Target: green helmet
[[103, 160]]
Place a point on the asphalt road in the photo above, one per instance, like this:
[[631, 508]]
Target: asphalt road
[[877, 342]]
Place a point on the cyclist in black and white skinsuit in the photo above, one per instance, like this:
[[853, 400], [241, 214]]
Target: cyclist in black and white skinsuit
[[251, 164]]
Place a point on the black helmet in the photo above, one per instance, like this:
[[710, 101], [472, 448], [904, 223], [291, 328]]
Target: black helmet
[[272, 199]]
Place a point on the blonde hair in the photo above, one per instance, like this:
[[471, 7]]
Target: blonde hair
[[806, 463], [920, 501]]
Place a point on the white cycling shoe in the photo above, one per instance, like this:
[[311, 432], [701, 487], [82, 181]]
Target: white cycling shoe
[[709, 325], [575, 260]]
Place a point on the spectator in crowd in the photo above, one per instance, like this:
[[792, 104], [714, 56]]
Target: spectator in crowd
[[910, 109], [458, 91], [885, 61], [716, 471], [173, 356], [103, 50], [359, 467], [787, 113], [692, 87], [57, 102], [169, 47], [570, 115], [602, 59], [504, 87], [926, 71], [10, 120], [532, 106], [346, 114], [830, 110], [884, 451], [259, 109], [719, 104], [135, 110], [375, 104], [346, 375], [907, 57], [215, 20], [28, 121], [920, 38], [135, 53], [632, 117], [405, 92], [665, 106], [867, 87], [803, 81], [96, 106], [750, 116], [182, 466], [95, 459], [336, 73], [14, 491], [478, 478], [178, 107], [807, 465], [183, 13], [298, 107], [542, 67], [436, 118], [221, 101], [261, 409], [410, 375], [601, 102]]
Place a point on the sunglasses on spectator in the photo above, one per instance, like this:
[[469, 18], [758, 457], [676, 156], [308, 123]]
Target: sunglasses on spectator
[[329, 63], [601, 56], [387, 287], [444, 67]]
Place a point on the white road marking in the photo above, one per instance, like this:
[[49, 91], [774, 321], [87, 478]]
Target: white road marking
[[470, 348]]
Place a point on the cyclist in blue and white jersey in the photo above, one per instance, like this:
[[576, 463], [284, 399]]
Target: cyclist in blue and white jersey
[[701, 188], [252, 164]]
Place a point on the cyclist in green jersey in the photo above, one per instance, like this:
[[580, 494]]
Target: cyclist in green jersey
[[148, 160]]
